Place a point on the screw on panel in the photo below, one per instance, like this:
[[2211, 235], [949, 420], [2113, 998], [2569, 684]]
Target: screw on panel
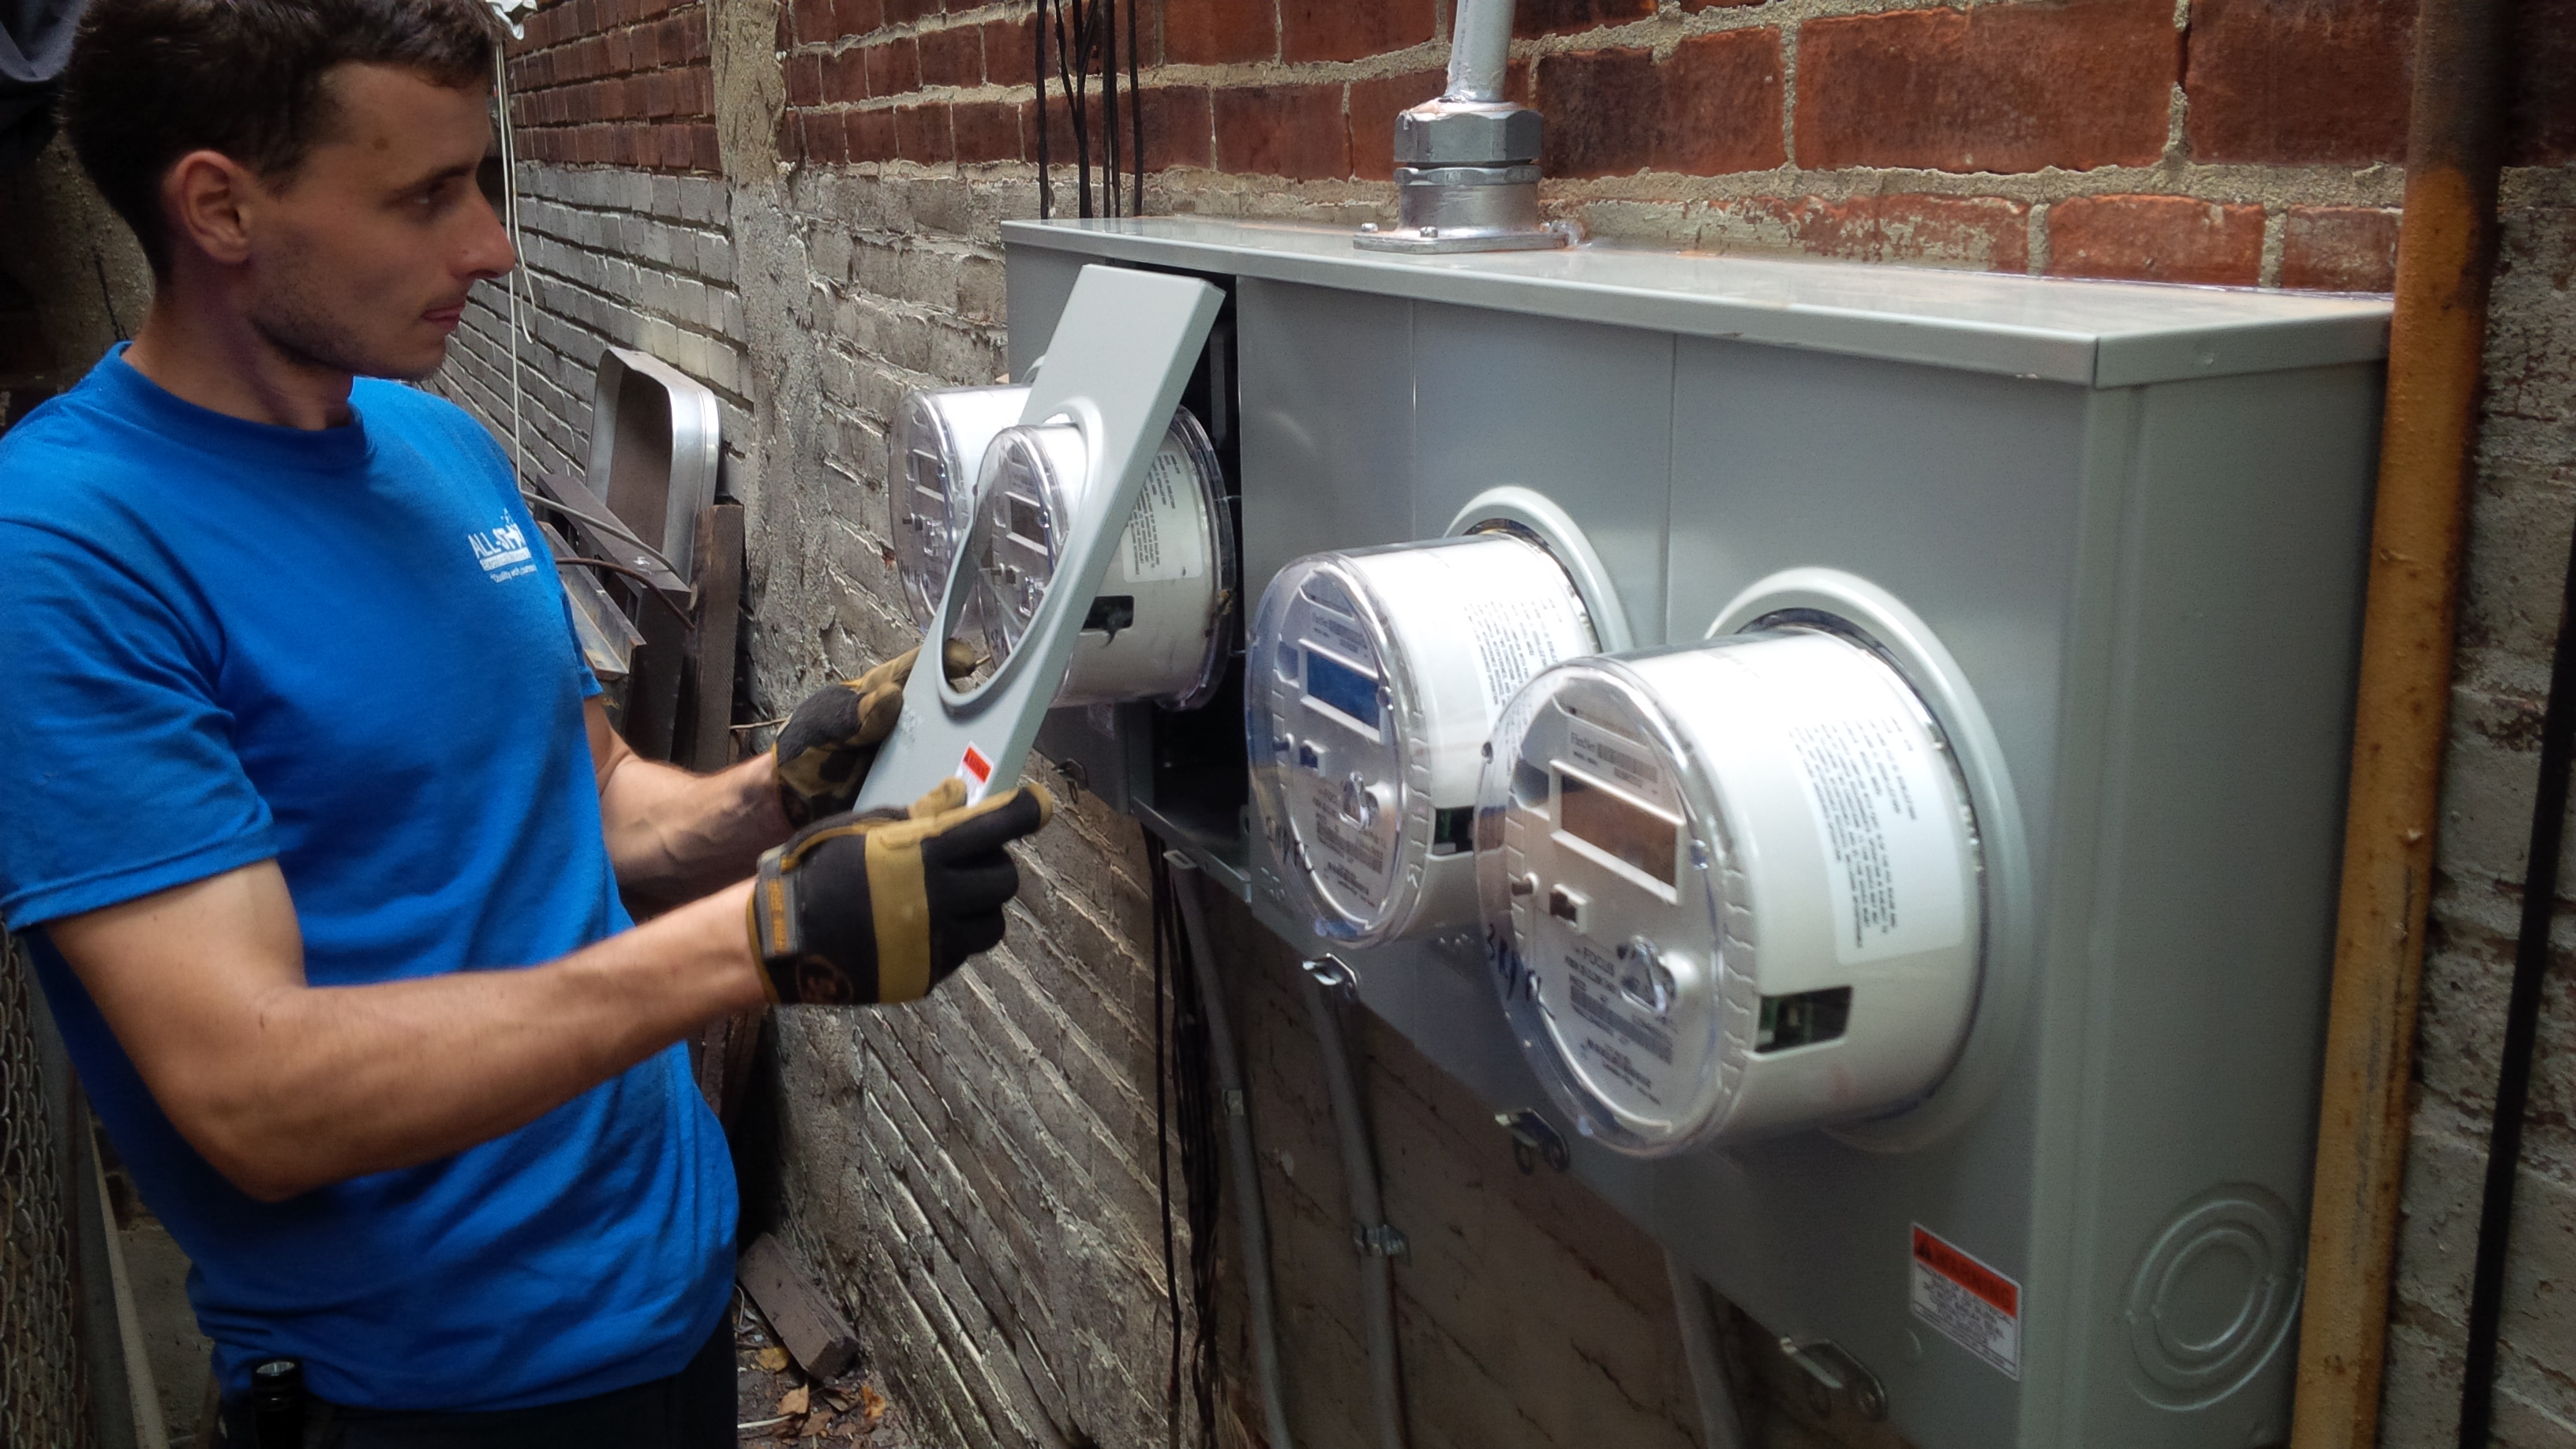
[[1385, 1240], [1833, 1372], [1533, 1140], [1335, 976]]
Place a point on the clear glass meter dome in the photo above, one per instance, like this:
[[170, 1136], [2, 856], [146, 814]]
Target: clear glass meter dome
[[1731, 889], [1156, 630], [1371, 679], [933, 453]]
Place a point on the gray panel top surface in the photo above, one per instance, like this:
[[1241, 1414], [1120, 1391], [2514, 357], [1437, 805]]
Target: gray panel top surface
[[2098, 334]]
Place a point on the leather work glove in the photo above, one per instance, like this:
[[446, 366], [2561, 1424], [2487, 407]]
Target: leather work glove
[[828, 743], [881, 907]]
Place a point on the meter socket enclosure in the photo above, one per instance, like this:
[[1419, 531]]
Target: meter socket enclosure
[[2069, 570]]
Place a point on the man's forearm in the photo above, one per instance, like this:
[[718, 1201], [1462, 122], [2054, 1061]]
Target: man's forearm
[[674, 836], [335, 1082]]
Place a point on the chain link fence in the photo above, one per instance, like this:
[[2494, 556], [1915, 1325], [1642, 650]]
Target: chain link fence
[[41, 1391]]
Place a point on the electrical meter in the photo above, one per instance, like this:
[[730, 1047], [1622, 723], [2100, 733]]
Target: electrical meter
[[932, 455], [1731, 889], [1156, 629], [1372, 679]]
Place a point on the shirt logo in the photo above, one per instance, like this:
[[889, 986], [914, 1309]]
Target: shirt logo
[[503, 552]]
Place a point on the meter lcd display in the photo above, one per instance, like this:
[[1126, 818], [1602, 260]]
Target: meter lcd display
[[1339, 687], [1625, 830]]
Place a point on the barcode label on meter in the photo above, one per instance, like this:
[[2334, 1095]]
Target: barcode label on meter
[[1971, 1304]]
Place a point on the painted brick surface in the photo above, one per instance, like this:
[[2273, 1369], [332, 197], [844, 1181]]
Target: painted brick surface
[[976, 1175]]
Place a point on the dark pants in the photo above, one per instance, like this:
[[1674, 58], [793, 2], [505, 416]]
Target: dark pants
[[692, 1409]]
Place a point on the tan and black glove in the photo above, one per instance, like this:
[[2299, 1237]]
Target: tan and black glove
[[827, 745], [881, 907]]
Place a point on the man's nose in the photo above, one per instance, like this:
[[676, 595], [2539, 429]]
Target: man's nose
[[488, 250]]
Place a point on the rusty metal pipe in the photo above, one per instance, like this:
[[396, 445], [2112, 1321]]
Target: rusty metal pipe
[[2445, 259]]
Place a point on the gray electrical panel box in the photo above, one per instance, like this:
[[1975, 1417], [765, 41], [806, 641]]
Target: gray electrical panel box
[[2134, 518]]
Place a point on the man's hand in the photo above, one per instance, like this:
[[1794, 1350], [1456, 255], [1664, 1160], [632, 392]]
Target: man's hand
[[881, 907], [833, 737]]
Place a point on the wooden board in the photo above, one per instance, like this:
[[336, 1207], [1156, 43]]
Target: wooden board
[[808, 1324]]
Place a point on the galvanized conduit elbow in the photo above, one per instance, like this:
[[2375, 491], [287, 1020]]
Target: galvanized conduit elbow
[[1378, 1242], [2446, 252], [1250, 1219]]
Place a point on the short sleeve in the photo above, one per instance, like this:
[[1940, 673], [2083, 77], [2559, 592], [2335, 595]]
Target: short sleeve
[[118, 776]]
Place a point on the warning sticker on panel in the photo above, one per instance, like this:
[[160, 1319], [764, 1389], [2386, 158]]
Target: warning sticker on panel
[[1971, 1304], [1161, 541]]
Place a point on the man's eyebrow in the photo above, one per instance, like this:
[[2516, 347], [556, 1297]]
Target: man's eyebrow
[[443, 174]]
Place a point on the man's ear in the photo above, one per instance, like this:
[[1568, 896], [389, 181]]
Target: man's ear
[[209, 197]]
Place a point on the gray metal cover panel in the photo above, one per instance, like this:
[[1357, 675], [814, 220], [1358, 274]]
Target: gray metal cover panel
[[2153, 589], [2099, 334]]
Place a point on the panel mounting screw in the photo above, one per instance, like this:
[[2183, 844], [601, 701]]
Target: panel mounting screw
[[1368, 226]]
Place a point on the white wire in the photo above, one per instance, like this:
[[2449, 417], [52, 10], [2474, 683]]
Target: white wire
[[520, 328]]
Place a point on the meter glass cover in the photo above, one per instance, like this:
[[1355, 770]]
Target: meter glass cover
[[1383, 671], [1730, 888], [1157, 630], [1606, 915], [934, 452]]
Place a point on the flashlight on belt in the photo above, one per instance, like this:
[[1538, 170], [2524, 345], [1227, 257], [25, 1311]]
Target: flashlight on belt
[[277, 1404]]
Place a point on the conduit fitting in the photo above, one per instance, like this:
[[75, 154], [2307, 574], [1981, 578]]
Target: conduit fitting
[[1466, 163]]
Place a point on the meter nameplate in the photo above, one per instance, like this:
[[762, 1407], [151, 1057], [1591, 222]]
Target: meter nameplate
[[1516, 635], [1163, 539], [1876, 788]]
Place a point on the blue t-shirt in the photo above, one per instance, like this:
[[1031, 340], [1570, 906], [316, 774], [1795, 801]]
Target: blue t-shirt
[[347, 650]]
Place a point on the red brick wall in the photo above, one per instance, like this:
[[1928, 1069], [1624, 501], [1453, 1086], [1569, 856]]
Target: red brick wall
[[2248, 144], [616, 83]]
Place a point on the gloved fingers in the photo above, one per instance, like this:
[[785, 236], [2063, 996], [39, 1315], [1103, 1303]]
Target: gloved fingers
[[958, 659], [878, 710], [989, 825], [970, 887], [971, 936], [893, 671], [941, 798]]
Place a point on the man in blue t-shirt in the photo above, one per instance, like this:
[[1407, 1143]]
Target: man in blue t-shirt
[[316, 827]]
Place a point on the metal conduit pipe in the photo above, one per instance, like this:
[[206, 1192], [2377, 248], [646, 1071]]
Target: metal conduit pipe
[[1480, 45], [1377, 1242], [2445, 257], [1250, 1220], [1721, 1423]]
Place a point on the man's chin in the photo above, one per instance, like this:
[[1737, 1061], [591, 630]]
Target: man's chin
[[417, 368]]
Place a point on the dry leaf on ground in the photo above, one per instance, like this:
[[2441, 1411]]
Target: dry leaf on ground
[[872, 1405], [772, 1358], [816, 1423], [795, 1400]]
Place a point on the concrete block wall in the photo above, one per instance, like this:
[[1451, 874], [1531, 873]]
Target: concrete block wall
[[977, 1174]]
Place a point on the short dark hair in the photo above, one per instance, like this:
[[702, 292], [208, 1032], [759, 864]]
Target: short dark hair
[[151, 80]]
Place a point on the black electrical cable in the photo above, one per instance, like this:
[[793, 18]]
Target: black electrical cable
[[1164, 909], [1046, 187], [1186, 1099], [2521, 1025], [1136, 111]]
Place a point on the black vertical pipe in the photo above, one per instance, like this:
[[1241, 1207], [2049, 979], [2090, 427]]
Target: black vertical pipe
[[2521, 1026]]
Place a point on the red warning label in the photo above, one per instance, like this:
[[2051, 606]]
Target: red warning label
[[1971, 1304], [976, 769]]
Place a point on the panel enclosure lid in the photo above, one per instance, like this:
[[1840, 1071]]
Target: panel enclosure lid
[[2097, 334], [1121, 352]]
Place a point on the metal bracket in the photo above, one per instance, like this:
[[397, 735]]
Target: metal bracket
[[1839, 1374], [1386, 1240], [1336, 976], [1533, 1140], [1233, 1099]]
